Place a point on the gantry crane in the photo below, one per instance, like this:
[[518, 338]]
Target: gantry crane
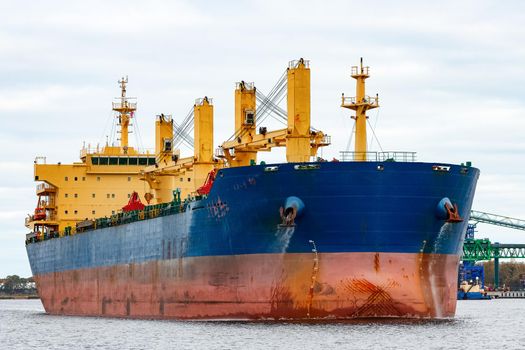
[[484, 249]]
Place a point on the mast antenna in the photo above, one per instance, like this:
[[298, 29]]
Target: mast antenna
[[361, 103]]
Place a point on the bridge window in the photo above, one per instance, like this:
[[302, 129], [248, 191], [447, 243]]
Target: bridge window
[[151, 161], [113, 161], [103, 161], [132, 161], [143, 161], [123, 161], [94, 160]]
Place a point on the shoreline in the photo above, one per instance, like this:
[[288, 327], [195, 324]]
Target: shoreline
[[19, 296]]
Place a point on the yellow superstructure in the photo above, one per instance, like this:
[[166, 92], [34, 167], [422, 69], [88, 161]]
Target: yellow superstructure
[[361, 103], [98, 185]]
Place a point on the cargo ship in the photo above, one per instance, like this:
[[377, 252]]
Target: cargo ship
[[219, 236]]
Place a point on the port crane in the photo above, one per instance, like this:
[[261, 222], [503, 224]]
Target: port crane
[[483, 249]]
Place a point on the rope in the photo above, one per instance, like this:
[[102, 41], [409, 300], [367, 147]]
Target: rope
[[375, 125], [349, 144], [373, 132], [138, 136], [261, 110], [181, 131]]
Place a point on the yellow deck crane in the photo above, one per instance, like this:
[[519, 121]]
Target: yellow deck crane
[[171, 171], [191, 173], [300, 141]]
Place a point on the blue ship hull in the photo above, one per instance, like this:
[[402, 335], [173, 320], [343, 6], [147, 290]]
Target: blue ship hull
[[382, 248]]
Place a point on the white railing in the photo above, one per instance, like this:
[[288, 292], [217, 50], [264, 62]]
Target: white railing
[[295, 63], [244, 84], [219, 152], [44, 186], [125, 105], [327, 140], [360, 70], [99, 151], [40, 160], [391, 156], [200, 101], [352, 100]]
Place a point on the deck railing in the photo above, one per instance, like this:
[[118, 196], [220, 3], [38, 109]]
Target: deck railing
[[352, 100], [44, 186], [295, 63], [360, 70], [149, 212], [390, 156], [125, 105]]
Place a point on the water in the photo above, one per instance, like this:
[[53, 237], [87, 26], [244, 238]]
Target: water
[[495, 324], [283, 236]]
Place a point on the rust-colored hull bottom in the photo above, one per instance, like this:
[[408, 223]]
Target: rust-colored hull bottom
[[260, 286]]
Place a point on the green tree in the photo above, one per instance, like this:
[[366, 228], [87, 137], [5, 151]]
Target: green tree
[[13, 284], [509, 274]]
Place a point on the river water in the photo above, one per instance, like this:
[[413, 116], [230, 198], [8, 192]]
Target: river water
[[495, 324]]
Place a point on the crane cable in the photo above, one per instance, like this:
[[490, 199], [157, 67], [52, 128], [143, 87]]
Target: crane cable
[[240, 132]]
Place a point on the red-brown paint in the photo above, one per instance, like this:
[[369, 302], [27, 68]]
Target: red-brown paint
[[273, 286]]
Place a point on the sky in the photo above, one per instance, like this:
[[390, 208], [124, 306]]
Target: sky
[[450, 77]]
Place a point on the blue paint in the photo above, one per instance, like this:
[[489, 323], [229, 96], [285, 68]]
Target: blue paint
[[348, 207]]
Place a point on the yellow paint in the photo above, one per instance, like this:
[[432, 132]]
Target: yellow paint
[[298, 140], [187, 174], [203, 130], [83, 190], [164, 138], [245, 114], [361, 103], [125, 108], [97, 186], [203, 138]]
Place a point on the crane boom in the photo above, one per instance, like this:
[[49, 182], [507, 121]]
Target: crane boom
[[498, 220]]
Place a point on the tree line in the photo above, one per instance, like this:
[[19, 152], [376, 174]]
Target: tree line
[[15, 284], [511, 274]]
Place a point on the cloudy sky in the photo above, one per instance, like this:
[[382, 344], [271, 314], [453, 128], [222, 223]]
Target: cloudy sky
[[450, 76]]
